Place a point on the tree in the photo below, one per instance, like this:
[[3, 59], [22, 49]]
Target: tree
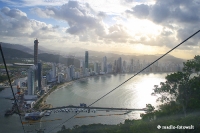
[[63, 128], [181, 87], [149, 108]]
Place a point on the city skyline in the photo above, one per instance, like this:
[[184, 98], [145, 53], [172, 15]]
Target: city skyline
[[126, 26]]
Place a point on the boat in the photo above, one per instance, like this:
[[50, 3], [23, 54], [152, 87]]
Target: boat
[[34, 115], [47, 114], [49, 111]]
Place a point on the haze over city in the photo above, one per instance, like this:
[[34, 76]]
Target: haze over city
[[125, 26]]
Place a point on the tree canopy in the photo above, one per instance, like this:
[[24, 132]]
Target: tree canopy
[[181, 88]]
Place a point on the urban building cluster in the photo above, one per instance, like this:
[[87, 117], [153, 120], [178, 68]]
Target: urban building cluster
[[61, 73], [36, 82]]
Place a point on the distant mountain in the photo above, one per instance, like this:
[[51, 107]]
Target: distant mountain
[[58, 59], [14, 53], [96, 56], [27, 49], [17, 46], [59, 55]]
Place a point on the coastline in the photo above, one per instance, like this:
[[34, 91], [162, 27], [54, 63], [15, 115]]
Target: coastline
[[42, 105], [41, 102]]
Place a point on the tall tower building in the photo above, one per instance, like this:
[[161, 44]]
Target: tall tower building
[[86, 59], [115, 66], [36, 52], [96, 68], [53, 70], [82, 68], [39, 74], [36, 60], [124, 66], [31, 80], [104, 64], [119, 65]]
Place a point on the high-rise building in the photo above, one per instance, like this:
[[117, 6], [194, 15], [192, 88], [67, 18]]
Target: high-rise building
[[82, 68], [96, 70], [119, 65], [68, 76], [31, 80], [86, 59], [124, 66], [109, 68], [53, 70], [36, 61], [132, 62], [104, 64], [39, 74], [115, 67], [131, 68], [36, 52], [72, 71]]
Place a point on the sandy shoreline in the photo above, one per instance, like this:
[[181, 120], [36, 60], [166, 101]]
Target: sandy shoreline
[[42, 102]]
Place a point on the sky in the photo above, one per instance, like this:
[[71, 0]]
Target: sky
[[124, 26]]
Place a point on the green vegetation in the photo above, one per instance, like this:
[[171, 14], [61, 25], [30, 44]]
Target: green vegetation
[[181, 91], [180, 97], [141, 126], [38, 104], [3, 78], [14, 53]]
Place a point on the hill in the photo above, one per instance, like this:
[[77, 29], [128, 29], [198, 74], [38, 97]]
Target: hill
[[94, 56], [58, 59], [14, 53], [22, 48], [17, 47]]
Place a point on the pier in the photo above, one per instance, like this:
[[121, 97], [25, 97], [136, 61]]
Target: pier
[[100, 108]]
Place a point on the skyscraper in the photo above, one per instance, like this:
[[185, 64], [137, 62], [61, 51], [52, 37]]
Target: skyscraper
[[104, 64], [86, 59], [36, 52], [39, 74], [115, 66], [53, 70], [31, 80], [36, 60], [82, 68], [96, 70], [124, 66], [119, 65]]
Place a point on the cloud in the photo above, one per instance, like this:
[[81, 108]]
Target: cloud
[[117, 33], [32, 3], [14, 13], [15, 23], [101, 14], [41, 13], [183, 11], [141, 11], [79, 18], [85, 22], [180, 16]]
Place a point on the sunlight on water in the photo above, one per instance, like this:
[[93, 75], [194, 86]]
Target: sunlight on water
[[136, 93]]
